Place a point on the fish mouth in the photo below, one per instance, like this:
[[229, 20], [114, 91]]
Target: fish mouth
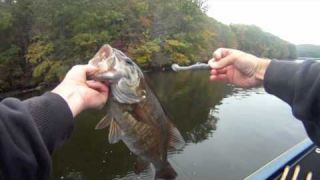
[[104, 60], [110, 76], [104, 54]]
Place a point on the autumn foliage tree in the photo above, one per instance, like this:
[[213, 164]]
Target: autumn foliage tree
[[42, 39]]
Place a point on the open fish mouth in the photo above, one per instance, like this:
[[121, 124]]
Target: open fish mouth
[[105, 60], [119, 71]]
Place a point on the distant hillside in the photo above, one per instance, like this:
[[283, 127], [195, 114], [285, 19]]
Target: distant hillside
[[308, 50], [42, 39]]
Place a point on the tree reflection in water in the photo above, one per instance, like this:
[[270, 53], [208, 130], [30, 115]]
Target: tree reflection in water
[[190, 100]]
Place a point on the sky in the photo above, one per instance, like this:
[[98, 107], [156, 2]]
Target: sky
[[296, 21]]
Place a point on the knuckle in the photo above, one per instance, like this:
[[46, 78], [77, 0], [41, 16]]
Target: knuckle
[[220, 50], [76, 67]]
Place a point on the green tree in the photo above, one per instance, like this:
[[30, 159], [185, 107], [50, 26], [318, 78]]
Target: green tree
[[42, 39]]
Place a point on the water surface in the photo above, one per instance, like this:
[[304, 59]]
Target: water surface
[[230, 132]]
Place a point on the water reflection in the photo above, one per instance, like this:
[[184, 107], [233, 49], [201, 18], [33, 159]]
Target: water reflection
[[225, 127], [89, 152], [190, 101], [204, 130], [242, 93]]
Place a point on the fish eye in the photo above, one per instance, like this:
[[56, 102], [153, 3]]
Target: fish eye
[[128, 61]]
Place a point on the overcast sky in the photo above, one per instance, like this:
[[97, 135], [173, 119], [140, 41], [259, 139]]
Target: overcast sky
[[297, 21]]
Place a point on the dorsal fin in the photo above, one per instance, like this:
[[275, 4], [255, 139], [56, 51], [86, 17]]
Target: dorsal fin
[[114, 132], [104, 122], [175, 140]]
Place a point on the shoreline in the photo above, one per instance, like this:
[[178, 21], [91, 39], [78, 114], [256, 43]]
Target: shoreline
[[42, 86]]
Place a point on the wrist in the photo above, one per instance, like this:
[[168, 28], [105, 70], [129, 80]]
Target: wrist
[[72, 99], [261, 68]]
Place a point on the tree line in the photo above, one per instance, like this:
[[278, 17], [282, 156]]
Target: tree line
[[308, 51], [42, 39]]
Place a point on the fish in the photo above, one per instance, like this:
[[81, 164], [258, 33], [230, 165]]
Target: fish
[[134, 114]]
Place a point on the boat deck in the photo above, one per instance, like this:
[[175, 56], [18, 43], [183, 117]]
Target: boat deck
[[300, 162]]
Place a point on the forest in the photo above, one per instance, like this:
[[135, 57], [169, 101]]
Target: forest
[[42, 39]]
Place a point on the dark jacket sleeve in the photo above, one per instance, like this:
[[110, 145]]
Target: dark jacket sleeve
[[29, 132], [298, 84]]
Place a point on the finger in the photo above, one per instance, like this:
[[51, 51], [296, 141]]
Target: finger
[[98, 86], [90, 69], [211, 61], [221, 53], [219, 71], [222, 71], [76, 72], [81, 70], [86, 68], [219, 77], [222, 77], [224, 62], [214, 72]]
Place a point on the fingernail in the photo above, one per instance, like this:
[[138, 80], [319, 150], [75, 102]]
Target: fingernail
[[212, 63]]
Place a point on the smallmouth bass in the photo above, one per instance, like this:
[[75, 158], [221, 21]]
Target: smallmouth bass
[[134, 113]]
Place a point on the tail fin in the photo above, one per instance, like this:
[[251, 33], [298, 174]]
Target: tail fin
[[166, 172]]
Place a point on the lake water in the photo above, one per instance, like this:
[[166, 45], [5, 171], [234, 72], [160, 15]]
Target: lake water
[[230, 132]]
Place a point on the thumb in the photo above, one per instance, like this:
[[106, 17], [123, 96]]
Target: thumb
[[226, 61], [221, 53], [90, 69]]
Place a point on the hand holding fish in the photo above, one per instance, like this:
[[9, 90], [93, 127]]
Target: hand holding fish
[[79, 93], [237, 67]]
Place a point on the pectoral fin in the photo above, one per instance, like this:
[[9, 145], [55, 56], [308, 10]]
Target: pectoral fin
[[143, 170], [175, 140], [103, 123], [140, 165], [114, 132]]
